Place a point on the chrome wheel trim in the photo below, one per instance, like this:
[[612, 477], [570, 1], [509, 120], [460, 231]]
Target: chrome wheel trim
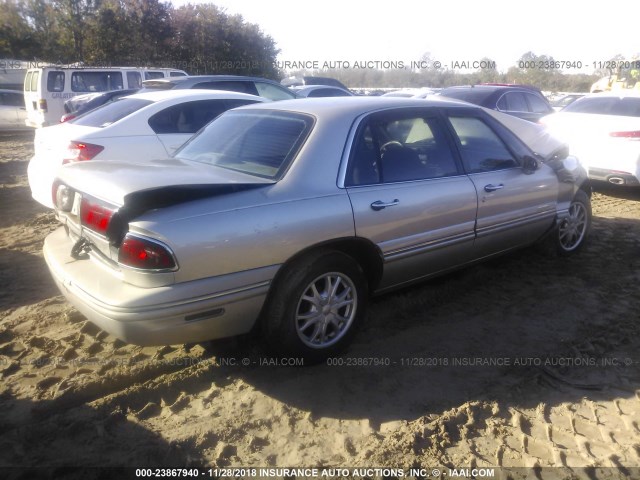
[[326, 310], [573, 228]]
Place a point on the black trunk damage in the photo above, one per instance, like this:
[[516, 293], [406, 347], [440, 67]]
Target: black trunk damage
[[137, 203]]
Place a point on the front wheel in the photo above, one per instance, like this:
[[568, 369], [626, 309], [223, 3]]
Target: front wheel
[[315, 306], [574, 229]]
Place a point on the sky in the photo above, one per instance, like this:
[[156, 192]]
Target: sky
[[452, 32]]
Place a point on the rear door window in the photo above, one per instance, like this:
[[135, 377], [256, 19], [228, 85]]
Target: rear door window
[[34, 81], [513, 102], [27, 82], [536, 104]]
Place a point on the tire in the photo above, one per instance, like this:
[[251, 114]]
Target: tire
[[572, 232], [303, 318]]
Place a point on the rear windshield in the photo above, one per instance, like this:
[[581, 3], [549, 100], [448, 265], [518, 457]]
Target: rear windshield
[[626, 106], [111, 112], [472, 95], [260, 143]]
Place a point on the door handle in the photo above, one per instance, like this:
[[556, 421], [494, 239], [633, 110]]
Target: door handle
[[493, 188], [379, 205]]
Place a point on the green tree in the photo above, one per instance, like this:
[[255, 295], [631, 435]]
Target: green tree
[[74, 17], [16, 35], [210, 41]]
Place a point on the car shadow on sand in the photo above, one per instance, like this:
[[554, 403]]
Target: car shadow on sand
[[80, 442], [27, 286], [525, 329], [626, 193]]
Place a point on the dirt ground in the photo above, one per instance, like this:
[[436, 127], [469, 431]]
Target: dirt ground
[[526, 362]]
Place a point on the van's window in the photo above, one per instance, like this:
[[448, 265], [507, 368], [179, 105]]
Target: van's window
[[111, 112], [55, 82], [27, 82], [96, 81], [134, 80], [153, 75], [34, 81]]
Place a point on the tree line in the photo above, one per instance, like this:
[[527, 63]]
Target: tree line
[[201, 39], [541, 71]]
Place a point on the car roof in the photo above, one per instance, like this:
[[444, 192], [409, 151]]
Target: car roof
[[194, 93], [356, 105], [303, 88], [492, 88], [193, 79], [631, 92]]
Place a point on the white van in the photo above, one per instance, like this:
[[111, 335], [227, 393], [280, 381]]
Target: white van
[[47, 88]]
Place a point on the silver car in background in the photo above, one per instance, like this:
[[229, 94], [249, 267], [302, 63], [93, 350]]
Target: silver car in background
[[287, 216]]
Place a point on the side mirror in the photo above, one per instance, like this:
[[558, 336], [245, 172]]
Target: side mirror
[[529, 164]]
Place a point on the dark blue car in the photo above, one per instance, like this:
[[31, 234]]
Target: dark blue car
[[520, 101], [81, 104]]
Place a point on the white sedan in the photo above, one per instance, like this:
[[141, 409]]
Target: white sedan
[[141, 127], [603, 131], [12, 111]]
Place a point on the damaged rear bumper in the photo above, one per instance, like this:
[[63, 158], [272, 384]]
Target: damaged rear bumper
[[174, 314]]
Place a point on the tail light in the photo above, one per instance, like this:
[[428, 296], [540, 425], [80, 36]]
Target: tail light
[[67, 116], [95, 216], [631, 135], [145, 254], [80, 151], [42, 105]]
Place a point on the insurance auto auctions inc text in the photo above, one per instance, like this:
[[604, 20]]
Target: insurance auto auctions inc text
[[378, 472], [382, 64]]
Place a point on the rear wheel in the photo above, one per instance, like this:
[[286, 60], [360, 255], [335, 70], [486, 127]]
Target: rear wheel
[[574, 229], [316, 306]]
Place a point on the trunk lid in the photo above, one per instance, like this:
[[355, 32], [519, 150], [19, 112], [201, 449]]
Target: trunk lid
[[115, 181], [54, 140]]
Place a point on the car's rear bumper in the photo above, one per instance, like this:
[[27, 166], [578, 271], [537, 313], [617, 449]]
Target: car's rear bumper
[[41, 174], [180, 317]]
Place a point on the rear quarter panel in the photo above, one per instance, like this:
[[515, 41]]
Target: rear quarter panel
[[236, 237]]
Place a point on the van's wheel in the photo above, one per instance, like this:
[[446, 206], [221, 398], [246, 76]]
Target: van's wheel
[[315, 306], [574, 230]]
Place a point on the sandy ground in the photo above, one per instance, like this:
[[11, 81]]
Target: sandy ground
[[528, 361]]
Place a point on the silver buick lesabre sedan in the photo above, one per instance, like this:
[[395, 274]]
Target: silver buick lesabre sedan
[[286, 217]]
